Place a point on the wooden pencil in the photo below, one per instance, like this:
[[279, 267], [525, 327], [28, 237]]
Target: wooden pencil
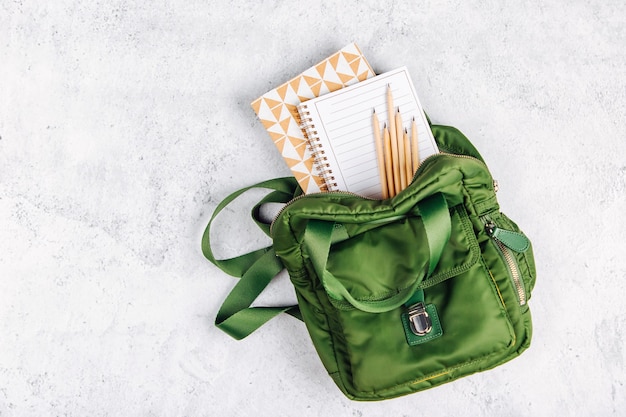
[[409, 160], [415, 153], [388, 162], [379, 154], [394, 142], [392, 126], [401, 151]]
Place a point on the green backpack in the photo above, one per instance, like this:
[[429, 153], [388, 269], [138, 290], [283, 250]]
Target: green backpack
[[398, 295]]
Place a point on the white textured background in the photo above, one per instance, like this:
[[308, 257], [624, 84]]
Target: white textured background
[[124, 123]]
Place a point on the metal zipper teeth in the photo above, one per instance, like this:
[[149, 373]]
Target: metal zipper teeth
[[417, 171], [509, 260], [515, 272], [348, 193], [456, 155]]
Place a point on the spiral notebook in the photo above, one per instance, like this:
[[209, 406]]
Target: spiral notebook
[[339, 126], [277, 108]]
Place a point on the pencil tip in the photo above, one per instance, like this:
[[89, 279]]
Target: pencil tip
[[385, 125]]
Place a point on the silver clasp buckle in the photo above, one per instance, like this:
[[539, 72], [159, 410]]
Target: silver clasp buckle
[[419, 320]]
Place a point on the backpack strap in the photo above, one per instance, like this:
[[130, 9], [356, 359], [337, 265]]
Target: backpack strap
[[256, 269]]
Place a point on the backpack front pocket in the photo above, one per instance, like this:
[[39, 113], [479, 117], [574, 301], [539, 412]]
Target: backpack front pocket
[[373, 354]]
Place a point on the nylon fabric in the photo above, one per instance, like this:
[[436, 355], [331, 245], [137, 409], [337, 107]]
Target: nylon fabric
[[352, 260], [235, 317], [285, 190], [387, 248], [437, 226], [436, 223], [256, 269]]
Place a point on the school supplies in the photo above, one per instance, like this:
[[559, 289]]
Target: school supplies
[[277, 108], [339, 128]]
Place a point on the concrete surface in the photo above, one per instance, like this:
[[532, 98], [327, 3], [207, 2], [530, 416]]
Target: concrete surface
[[124, 123]]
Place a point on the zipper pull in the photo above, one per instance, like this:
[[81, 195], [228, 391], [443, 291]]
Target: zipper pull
[[512, 240]]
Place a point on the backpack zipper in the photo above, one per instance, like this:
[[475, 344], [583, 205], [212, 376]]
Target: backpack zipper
[[495, 184], [507, 242], [323, 193], [456, 155]]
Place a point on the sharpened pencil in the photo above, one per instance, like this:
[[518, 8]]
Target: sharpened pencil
[[388, 162], [394, 141], [401, 151], [415, 153], [409, 162], [392, 126], [379, 154]]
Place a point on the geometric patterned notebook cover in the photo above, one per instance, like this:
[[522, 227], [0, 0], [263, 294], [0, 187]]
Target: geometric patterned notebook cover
[[278, 113]]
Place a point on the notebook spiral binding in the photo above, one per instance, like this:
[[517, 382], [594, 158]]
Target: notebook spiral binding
[[315, 147]]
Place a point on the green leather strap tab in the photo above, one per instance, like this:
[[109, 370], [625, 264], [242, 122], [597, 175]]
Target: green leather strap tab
[[417, 297], [256, 268], [513, 240], [436, 331], [318, 237]]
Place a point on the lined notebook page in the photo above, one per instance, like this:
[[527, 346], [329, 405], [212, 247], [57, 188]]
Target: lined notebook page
[[277, 108], [341, 122]]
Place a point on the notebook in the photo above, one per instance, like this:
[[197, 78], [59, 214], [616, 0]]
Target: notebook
[[340, 124], [278, 113]]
